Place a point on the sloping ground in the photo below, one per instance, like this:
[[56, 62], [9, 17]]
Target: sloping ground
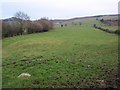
[[79, 19], [72, 56], [111, 22], [90, 21], [110, 17]]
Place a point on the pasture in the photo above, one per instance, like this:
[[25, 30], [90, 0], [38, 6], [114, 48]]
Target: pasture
[[71, 56]]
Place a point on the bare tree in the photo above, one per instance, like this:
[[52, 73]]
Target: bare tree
[[22, 15], [23, 20]]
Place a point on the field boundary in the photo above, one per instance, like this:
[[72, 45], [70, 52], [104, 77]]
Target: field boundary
[[107, 30]]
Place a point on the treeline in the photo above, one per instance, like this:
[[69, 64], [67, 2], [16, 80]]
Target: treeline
[[107, 30], [13, 28], [21, 24]]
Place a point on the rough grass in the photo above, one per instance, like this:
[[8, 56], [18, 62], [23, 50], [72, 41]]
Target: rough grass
[[72, 56]]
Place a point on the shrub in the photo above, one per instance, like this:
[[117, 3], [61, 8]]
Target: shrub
[[13, 28], [47, 25], [117, 32], [34, 27], [10, 29]]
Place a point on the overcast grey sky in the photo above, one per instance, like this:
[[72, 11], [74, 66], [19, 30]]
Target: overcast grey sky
[[58, 9]]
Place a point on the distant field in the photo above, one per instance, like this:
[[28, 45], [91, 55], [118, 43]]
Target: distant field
[[72, 56]]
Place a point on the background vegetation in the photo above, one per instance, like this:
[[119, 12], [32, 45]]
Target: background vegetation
[[21, 24]]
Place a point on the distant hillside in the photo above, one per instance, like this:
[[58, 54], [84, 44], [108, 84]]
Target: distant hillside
[[114, 17], [11, 19], [76, 19]]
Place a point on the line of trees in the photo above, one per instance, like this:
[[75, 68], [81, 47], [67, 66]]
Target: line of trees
[[107, 30], [21, 24]]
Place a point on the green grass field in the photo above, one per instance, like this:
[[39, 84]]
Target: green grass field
[[72, 56]]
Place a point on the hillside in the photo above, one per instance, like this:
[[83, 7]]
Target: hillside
[[78, 19], [71, 56]]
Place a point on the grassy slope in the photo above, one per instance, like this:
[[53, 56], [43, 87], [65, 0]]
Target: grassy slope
[[91, 21], [62, 57]]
